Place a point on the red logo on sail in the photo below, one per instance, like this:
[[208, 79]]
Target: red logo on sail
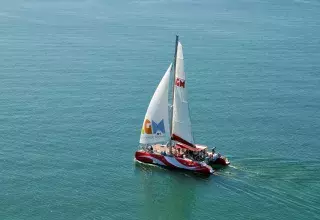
[[180, 82]]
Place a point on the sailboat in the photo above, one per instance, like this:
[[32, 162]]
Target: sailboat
[[167, 140]]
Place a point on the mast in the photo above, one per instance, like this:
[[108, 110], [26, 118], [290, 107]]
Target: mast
[[173, 83]]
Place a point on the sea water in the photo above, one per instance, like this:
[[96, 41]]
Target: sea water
[[76, 78]]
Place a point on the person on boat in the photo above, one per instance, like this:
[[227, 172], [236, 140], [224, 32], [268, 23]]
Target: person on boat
[[197, 155], [202, 154], [214, 156], [188, 155], [177, 152], [206, 158], [150, 148], [181, 153]]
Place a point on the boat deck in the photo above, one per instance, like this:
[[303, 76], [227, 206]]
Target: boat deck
[[160, 149], [183, 153]]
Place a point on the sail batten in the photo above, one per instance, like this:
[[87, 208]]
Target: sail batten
[[181, 123], [155, 127]]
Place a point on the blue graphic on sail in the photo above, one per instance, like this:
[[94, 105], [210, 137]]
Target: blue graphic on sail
[[158, 129]]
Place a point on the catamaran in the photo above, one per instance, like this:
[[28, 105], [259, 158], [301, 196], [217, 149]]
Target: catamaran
[[173, 145]]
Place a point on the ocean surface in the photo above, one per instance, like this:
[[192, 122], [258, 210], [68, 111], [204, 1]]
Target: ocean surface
[[76, 78]]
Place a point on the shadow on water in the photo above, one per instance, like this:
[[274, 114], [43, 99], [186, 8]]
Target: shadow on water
[[165, 170], [167, 193]]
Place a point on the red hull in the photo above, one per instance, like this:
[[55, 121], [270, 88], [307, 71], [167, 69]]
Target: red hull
[[173, 162], [220, 162]]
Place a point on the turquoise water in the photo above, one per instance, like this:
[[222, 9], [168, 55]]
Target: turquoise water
[[75, 81]]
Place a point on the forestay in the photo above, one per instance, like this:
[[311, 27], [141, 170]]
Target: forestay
[[155, 127]]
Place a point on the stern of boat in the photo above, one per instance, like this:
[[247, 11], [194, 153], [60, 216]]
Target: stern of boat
[[219, 162]]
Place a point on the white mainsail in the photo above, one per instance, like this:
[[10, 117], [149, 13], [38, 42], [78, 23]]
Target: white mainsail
[[181, 123], [155, 127]]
